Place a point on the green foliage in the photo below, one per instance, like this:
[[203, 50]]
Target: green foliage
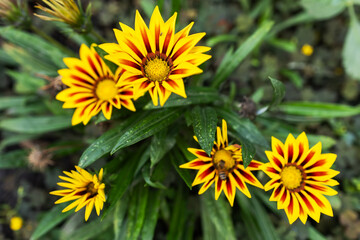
[[49, 221], [233, 59], [351, 52], [13, 159], [35, 125], [318, 110], [141, 152], [279, 92], [204, 121], [323, 9], [195, 95]]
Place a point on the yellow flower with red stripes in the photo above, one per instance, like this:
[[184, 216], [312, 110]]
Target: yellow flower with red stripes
[[93, 87], [300, 178], [156, 59], [224, 167], [87, 190]]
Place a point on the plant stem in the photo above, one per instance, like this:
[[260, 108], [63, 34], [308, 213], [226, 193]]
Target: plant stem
[[98, 36]]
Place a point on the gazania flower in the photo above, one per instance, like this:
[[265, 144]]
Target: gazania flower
[[62, 10], [156, 59], [224, 167], [86, 189], [300, 177], [92, 87]]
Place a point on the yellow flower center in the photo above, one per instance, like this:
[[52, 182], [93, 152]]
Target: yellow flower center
[[106, 89], [291, 177], [223, 160], [156, 69]]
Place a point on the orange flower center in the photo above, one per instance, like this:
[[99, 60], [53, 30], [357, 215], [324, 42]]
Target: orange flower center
[[223, 162], [291, 177], [156, 69], [106, 89]]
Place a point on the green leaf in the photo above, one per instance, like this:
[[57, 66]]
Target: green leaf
[[204, 121], [50, 220], [106, 142], [243, 127], [247, 149], [179, 216], [123, 179], [211, 42], [36, 125], [351, 51], [160, 144], [323, 9], [137, 210], [26, 83], [13, 159], [294, 77], [219, 214], [279, 92], [91, 230], [146, 175], [34, 45], [232, 61], [145, 127], [119, 215], [177, 159], [318, 110], [151, 215], [258, 228], [13, 101], [195, 95], [286, 45]]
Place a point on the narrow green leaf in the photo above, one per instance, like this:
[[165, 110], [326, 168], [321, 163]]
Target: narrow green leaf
[[279, 92], [13, 101], [179, 216], [50, 220], [195, 95], [151, 215], [119, 215], [315, 234], [258, 228], [145, 127], [286, 45], [106, 142], [219, 214], [26, 83], [319, 110], [177, 159], [123, 179], [137, 211], [146, 175], [323, 9], [42, 49], [160, 144], [248, 150], [294, 77], [36, 125], [227, 67], [14, 159], [351, 52], [204, 121], [211, 42], [243, 127], [92, 229]]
